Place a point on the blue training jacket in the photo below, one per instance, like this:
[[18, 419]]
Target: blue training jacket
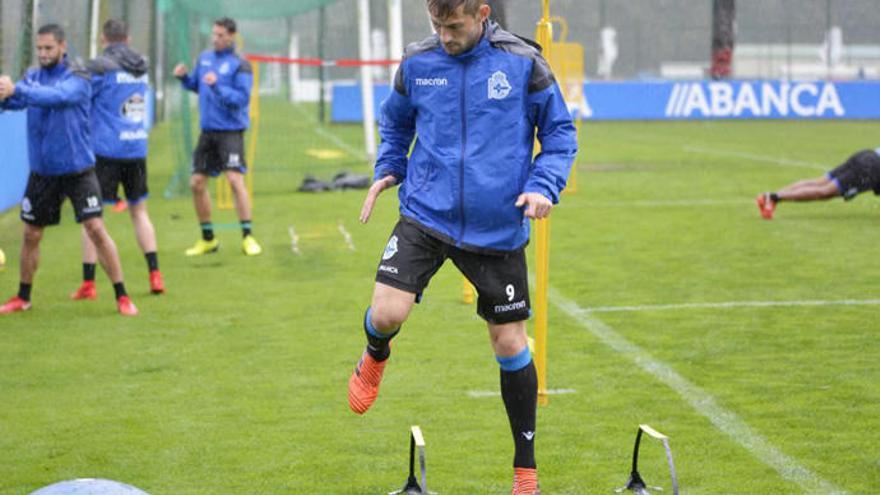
[[58, 101], [120, 87], [224, 106], [475, 116]]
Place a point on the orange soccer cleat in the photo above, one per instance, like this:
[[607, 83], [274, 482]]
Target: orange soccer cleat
[[157, 286], [525, 482], [766, 205], [126, 307], [14, 305], [86, 291], [363, 386]]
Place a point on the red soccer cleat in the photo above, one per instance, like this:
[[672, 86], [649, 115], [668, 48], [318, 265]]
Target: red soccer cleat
[[126, 307], [87, 290], [363, 386], [156, 284], [766, 205], [525, 482], [120, 206], [15, 305]]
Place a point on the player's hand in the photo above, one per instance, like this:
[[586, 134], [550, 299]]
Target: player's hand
[[374, 192], [180, 70], [537, 205], [7, 87], [210, 79]]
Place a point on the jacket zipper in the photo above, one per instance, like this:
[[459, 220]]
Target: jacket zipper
[[463, 150]]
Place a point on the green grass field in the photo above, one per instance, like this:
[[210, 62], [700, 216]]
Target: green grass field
[[234, 382]]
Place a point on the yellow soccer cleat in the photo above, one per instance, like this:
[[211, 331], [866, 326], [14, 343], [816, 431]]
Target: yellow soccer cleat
[[250, 246], [203, 247]]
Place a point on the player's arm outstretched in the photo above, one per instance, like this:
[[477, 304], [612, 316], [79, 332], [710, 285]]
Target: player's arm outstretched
[[18, 96], [397, 128]]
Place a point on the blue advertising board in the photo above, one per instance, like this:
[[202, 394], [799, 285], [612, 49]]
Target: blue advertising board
[[14, 155], [699, 100], [694, 100]]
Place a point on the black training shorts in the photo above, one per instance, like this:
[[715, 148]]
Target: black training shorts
[[412, 256], [132, 174], [860, 173], [219, 151], [41, 205]]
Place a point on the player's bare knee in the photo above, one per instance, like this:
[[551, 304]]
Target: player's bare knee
[[387, 318], [32, 235], [95, 230], [508, 339], [197, 183]]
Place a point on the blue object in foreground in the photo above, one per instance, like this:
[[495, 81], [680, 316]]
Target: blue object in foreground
[[89, 487], [15, 168]]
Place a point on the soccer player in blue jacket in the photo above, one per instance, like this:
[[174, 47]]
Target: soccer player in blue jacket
[[223, 81], [119, 127], [474, 95], [57, 96]]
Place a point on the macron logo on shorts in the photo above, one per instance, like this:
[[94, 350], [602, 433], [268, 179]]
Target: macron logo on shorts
[[504, 308]]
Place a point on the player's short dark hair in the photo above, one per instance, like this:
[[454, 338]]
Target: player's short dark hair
[[115, 31], [227, 23], [55, 30], [442, 9]]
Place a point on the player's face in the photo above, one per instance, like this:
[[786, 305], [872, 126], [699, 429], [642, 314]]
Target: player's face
[[221, 38], [460, 31], [49, 50]]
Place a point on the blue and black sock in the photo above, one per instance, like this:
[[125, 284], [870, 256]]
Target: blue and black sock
[[207, 231], [245, 228], [519, 390], [378, 343]]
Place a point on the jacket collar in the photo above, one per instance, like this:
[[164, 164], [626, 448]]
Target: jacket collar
[[477, 49], [57, 69]]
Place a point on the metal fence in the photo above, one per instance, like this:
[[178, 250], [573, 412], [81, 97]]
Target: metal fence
[[643, 38]]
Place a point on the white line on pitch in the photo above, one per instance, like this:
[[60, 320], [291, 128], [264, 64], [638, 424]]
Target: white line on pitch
[[294, 241], [479, 394], [730, 304], [346, 236], [701, 401], [785, 162]]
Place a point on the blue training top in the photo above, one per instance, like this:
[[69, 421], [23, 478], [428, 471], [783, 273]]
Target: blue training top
[[58, 100], [223, 106], [475, 115], [120, 87]]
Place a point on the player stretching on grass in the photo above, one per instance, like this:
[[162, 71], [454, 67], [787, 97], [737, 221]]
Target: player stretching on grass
[[58, 98], [860, 173], [474, 94], [119, 97], [223, 81]]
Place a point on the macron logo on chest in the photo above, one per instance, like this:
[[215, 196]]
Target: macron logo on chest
[[432, 81]]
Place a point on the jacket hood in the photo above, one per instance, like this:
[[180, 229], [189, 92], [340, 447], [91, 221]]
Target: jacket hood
[[130, 60]]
